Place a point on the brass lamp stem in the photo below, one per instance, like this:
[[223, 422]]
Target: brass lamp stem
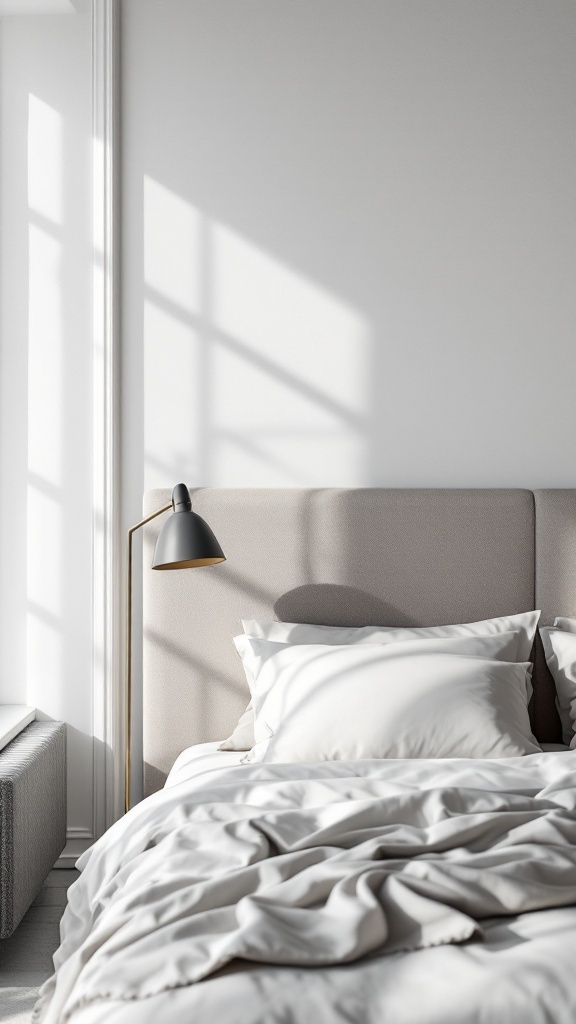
[[128, 710]]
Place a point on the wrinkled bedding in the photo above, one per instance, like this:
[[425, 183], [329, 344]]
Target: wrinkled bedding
[[422, 892]]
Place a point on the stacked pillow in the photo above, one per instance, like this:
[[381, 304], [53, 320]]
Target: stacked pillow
[[329, 693], [560, 649]]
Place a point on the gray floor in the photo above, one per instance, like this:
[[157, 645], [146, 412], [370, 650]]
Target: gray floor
[[26, 957]]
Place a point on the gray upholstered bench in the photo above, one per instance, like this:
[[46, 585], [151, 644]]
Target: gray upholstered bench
[[32, 816]]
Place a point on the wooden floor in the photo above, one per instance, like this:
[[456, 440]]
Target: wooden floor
[[26, 957]]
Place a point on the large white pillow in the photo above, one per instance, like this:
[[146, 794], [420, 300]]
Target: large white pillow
[[560, 651], [242, 738], [318, 702], [304, 633]]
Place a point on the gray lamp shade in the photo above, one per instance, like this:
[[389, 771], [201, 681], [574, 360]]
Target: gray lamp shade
[[185, 540]]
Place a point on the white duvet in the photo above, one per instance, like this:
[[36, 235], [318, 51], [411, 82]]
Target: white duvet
[[422, 892]]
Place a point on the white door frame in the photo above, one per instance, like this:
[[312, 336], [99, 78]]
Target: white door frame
[[107, 698], [106, 695]]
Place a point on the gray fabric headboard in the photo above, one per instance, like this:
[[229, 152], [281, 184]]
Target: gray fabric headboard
[[341, 557]]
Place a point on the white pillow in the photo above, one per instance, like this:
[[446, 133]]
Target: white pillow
[[567, 625], [318, 702], [304, 633], [242, 738], [560, 651]]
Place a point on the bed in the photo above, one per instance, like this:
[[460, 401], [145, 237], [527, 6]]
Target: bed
[[401, 890]]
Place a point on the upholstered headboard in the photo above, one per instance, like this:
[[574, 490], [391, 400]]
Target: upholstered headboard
[[341, 557]]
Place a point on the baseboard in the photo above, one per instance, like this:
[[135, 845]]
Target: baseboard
[[77, 841]]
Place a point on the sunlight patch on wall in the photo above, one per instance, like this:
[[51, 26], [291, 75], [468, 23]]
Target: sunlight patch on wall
[[254, 375], [173, 281], [170, 403], [45, 401], [172, 256], [45, 194], [291, 361]]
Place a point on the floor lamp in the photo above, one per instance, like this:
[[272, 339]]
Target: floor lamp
[[184, 542]]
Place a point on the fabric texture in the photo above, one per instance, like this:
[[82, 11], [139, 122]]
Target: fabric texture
[[32, 815], [300, 865], [411, 699], [242, 737]]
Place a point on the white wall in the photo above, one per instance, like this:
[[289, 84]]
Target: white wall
[[45, 384], [349, 242]]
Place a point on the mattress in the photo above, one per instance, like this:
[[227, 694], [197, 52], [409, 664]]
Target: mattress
[[127, 938]]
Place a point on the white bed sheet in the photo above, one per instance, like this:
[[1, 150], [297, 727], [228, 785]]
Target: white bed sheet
[[202, 757], [519, 972], [206, 757]]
